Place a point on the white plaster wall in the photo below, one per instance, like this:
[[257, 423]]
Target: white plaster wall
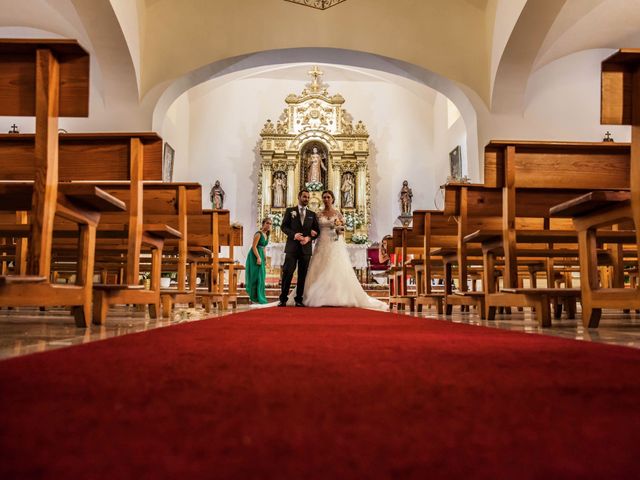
[[562, 103], [175, 131], [447, 138], [224, 131]]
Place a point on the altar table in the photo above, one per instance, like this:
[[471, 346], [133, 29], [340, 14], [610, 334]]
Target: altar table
[[357, 254]]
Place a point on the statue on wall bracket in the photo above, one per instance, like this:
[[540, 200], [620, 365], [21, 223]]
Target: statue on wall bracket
[[216, 195], [406, 198]]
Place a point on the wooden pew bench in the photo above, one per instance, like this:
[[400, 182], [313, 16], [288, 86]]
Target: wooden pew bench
[[590, 211], [46, 79], [560, 168], [168, 205], [528, 233], [402, 243], [80, 206], [212, 229], [130, 157], [437, 231]]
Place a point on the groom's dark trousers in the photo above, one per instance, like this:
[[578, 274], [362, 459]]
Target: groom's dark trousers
[[296, 254]]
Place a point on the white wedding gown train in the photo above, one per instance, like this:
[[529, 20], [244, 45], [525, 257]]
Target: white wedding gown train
[[331, 281]]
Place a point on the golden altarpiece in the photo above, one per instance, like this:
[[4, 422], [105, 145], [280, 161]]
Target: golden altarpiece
[[315, 145]]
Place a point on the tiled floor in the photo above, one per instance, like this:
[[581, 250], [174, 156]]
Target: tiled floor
[[27, 331]]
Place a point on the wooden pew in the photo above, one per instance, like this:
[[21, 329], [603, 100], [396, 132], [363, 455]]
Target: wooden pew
[[405, 242], [475, 208], [402, 243], [167, 204], [479, 211], [94, 157], [436, 231], [620, 105], [213, 230], [47, 79], [565, 167]]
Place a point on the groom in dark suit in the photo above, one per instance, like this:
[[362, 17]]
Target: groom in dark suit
[[300, 225]]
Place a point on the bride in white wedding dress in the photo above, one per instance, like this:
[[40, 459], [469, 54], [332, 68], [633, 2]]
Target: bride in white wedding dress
[[331, 281]]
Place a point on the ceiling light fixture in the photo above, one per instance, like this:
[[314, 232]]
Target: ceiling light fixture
[[319, 4]]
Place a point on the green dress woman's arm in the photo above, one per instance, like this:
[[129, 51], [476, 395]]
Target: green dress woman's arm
[[254, 247]]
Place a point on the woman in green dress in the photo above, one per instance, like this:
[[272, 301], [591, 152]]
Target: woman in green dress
[[256, 271]]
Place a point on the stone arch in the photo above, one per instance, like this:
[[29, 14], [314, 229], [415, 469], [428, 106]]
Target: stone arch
[[237, 67]]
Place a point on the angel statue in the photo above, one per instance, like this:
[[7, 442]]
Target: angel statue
[[406, 195], [217, 196], [315, 163]]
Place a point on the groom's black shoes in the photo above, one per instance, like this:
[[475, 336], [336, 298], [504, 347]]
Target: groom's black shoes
[[299, 304]]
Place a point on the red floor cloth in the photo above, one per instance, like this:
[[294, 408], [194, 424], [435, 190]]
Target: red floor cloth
[[342, 393]]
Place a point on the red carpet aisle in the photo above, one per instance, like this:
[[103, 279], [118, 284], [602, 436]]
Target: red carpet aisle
[[345, 394]]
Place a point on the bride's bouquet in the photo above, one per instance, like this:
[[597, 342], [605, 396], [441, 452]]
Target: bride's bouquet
[[338, 227]]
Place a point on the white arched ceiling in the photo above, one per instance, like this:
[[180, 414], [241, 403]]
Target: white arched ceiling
[[131, 15], [112, 52], [152, 41], [94, 24], [520, 53], [447, 37], [48, 19], [590, 24], [503, 16], [402, 72]]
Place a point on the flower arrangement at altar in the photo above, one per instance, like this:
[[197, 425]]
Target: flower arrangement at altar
[[314, 186], [276, 219], [353, 221], [359, 238]]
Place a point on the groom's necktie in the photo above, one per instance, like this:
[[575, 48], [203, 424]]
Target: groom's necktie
[[303, 212]]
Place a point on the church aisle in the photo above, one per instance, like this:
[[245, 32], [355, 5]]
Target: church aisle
[[27, 330], [336, 393]]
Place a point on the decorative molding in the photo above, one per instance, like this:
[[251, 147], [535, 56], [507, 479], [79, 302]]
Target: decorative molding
[[318, 4]]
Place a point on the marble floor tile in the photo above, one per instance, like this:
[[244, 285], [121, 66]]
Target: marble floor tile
[[27, 330]]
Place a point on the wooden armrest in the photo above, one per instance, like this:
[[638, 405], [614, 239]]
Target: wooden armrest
[[14, 230], [616, 236], [20, 279], [564, 292], [113, 287], [415, 262], [161, 230], [92, 197], [443, 251], [17, 196], [589, 203], [481, 236], [551, 236], [201, 250]]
